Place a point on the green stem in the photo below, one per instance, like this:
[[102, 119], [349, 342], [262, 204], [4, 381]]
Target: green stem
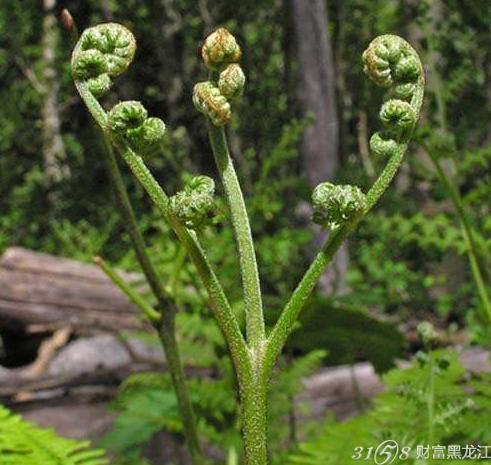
[[243, 236], [167, 335], [219, 302], [289, 315], [167, 339], [129, 218], [468, 233], [254, 420], [134, 296], [430, 399], [223, 312]]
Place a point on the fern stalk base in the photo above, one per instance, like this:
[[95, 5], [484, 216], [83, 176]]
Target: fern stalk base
[[167, 335]]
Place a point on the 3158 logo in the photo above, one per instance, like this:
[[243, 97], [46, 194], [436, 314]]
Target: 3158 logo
[[384, 454]]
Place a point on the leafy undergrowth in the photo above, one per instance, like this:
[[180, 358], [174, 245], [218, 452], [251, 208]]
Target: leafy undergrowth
[[22, 443], [435, 401]]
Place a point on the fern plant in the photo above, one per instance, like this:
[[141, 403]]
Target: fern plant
[[104, 52], [434, 401], [441, 148], [22, 443]]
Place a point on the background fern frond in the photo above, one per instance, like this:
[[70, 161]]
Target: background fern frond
[[22, 443], [461, 412]]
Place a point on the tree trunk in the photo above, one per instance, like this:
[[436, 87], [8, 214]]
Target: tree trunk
[[316, 96], [54, 155]]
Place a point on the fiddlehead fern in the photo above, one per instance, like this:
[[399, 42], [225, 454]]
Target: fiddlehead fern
[[208, 100], [125, 127], [102, 52], [212, 98], [130, 120], [391, 62], [105, 51], [220, 49], [334, 205], [231, 82], [220, 54], [195, 203], [126, 116]]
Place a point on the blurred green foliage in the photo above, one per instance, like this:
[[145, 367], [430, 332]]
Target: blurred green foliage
[[434, 401], [23, 443], [407, 260]]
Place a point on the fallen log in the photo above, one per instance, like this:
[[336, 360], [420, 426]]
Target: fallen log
[[96, 363], [40, 289]]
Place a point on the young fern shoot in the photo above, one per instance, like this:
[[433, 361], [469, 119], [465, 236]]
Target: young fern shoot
[[100, 54], [390, 62]]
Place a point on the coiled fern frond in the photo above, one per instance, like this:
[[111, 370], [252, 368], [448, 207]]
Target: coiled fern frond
[[22, 443]]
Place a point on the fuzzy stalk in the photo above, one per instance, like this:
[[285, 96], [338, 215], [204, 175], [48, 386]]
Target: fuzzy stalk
[[128, 214], [167, 334], [254, 420], [243, 236], [166, 308], [289, 315]]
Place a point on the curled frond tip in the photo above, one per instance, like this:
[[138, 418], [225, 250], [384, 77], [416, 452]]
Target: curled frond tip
[[334, 205], [220, 49], [391, 62], [194, 205], [208, 100], [130, 120], [102, 52]]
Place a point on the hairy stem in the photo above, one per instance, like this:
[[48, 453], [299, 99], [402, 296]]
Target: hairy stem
[[289, 315], [165, 306], [167, 335], [243, 237], [129, 218], [254, 420]]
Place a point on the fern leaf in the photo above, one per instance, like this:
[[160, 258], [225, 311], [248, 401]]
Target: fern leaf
[[22, 443]]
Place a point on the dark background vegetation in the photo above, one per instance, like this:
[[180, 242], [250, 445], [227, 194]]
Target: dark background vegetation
[[302, 59], [306, 116]]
